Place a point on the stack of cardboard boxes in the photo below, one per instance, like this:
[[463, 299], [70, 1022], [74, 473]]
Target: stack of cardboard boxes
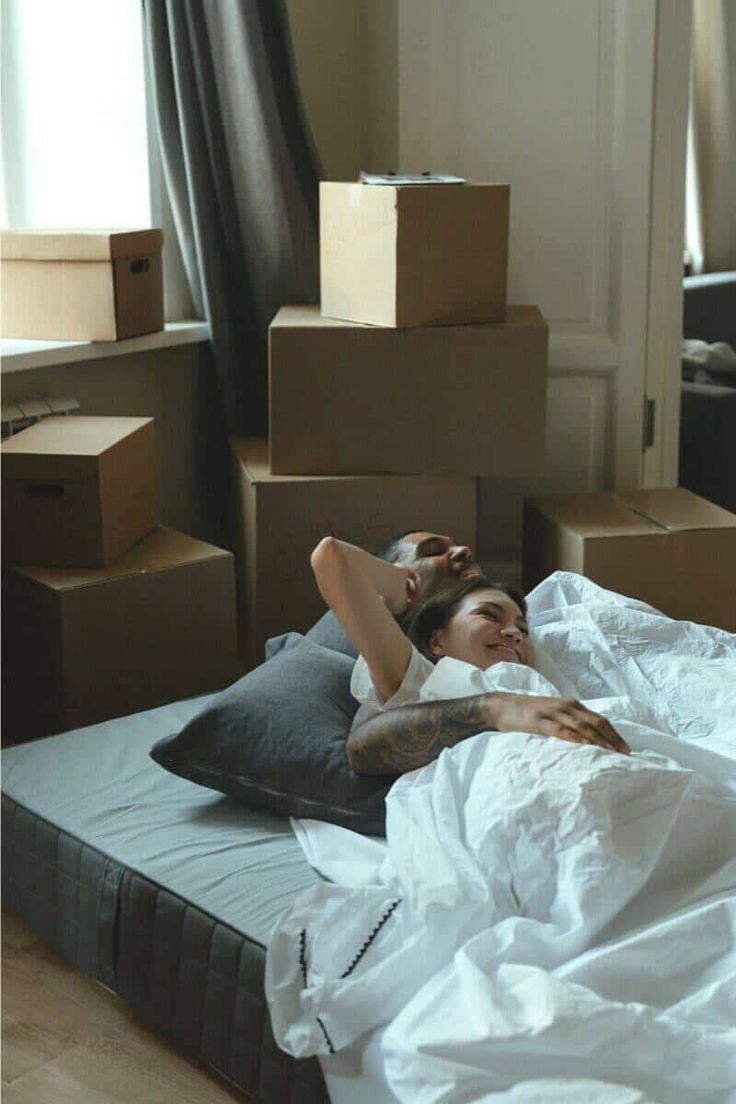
[[386, 404], [105, 611]]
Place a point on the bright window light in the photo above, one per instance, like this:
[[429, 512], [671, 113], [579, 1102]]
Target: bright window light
[[75, 151], [693, 209]]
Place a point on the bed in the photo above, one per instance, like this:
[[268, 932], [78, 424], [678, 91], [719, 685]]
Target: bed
[[161, 890], [168, 892]]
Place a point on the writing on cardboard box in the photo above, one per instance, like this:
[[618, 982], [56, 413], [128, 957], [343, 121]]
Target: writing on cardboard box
[[292, 549]]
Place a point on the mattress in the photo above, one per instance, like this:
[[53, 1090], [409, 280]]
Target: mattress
[[162, 890]]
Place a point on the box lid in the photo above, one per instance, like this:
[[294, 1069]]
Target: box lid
[[632, 513], [161, 550], [64, 447], [78, 245]]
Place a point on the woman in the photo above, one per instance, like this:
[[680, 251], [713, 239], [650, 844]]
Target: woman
[[472, 620]]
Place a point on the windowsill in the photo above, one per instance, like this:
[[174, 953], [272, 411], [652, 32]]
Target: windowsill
[[22, 356]]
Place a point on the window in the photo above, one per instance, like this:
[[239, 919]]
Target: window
[[693, 212], [74, 140]]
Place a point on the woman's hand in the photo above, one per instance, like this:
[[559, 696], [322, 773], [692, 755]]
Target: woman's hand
[[563, 718]]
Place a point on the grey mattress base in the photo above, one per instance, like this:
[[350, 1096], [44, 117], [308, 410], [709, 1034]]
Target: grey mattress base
[[186, 951]]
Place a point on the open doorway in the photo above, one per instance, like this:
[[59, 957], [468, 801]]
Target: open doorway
[[707, 463]]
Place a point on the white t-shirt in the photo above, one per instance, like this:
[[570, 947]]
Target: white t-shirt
[[448, 678], [371, 702]]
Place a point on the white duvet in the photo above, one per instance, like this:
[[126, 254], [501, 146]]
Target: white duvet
[[549, 921]]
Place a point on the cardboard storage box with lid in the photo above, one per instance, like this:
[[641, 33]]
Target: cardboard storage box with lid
[[351, 399], [78, 490], [414, 255], [282, 518], [83, 645], [667, 547], [81, 285]]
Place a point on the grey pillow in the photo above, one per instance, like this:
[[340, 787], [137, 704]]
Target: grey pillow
[[276, 740], [330, 634]]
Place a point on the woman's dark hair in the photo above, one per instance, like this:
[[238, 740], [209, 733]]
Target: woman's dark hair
[[422, 621]]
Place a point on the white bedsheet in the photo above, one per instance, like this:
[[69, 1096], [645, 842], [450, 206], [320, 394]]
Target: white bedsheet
[[547, 922]]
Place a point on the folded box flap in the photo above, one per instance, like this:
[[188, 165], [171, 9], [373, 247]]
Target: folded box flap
[[78, 245], [633, 513], [594, 515], [677, 509]]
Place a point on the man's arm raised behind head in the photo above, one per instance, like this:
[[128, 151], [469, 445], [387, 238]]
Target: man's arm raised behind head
[[400, 740]]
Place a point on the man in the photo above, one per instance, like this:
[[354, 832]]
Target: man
[[435, 559], [398, 740]]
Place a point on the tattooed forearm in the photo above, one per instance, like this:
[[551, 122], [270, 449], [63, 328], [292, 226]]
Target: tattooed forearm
[[403, 739]]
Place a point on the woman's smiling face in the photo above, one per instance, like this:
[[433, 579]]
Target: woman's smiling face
[[486, 627]]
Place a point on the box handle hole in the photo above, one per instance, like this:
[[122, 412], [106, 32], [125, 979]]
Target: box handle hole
[[139, 266], [45, 490]]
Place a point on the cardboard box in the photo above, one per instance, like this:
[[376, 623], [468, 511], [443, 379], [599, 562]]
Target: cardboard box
[[81, 285], [433, 255], [666, 547], [454, 400], [78, 491], [82, 646], [282, 519]]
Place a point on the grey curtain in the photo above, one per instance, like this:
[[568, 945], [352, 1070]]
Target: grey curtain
[[241, 173]]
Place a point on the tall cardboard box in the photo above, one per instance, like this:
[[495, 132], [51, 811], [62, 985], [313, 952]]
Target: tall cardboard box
[[452, 400], [281, 519], [81, 646], [81, 285], [78, 491], [667, 547], [417, 255]]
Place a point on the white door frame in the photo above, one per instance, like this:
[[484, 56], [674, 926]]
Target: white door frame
[[643, 315], [666, 238]]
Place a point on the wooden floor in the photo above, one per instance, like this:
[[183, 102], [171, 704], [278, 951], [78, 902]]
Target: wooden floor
[[66, 1040]]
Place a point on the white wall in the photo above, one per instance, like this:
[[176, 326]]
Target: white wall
[[347, 62], [327, 40]]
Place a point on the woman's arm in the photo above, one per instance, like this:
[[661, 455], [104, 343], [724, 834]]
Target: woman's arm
[[363, 592], [411, 736]]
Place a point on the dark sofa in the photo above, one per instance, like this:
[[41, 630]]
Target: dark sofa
[[708, 414]]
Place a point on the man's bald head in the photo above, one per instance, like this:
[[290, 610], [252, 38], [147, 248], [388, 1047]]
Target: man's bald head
[[435, 557]]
